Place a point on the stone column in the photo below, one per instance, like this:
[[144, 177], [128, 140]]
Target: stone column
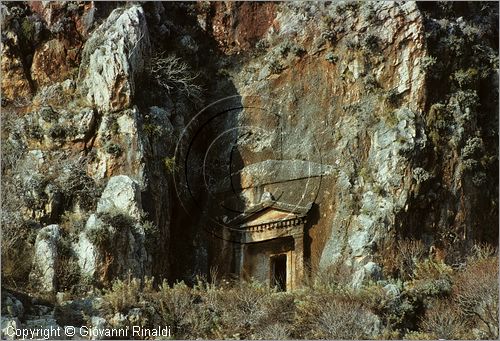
[[239, 256], [298, 252]]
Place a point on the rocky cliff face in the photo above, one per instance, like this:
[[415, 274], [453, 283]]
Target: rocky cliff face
[[131, 131]]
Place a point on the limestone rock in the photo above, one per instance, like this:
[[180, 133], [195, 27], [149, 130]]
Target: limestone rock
[[273, 171], [9, 325], [85, 121], [50, 63], [11, 306], [46, 322], [121, 194], [124, 132], [15, 81], [113, 59], [113, 239], [45, 258], [392, 290], [98, 323], [369, 272], [88, 253]]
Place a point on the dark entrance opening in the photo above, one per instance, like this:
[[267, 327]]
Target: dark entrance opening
[[278, 272]]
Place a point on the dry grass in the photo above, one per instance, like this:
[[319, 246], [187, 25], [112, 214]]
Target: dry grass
[[322, 310]]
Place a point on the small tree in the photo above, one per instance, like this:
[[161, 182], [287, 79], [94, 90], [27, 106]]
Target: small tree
[[174, 75]]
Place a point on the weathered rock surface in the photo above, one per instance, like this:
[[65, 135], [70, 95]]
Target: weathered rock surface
[[88, 254], [113, 241], [15, 80], [121, 194], [52, 62], [45, 258], [9, 325], [326, 102], [114, 58]]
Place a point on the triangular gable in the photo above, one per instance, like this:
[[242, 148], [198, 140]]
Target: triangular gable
[[270, 211]]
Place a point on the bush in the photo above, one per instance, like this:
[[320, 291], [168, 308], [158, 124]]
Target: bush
[[466, 78], [409, 253], [126, 294], [48, 114], [99, 236], [176, 306], [75, 184], [275, 67], [335, 317], [431, 279], [396, 308], [113, 149], [67, 274], [475, 291], [371, 43], [120, 221], [444, 321], [57, 132], [331, 57]]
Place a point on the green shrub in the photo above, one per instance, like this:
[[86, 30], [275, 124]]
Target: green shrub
[[275, 67], [127, 294], [169, 164], [370, 83], [113, 149], [262, 45], [35, 131], [298, 51], [466, 78], [331, 57], [431, 279], [371, 43], [99, 236], [152, 130], [121, 221], [28, 30], [57, 132], [112, 123], [428, 62], [48, 114]]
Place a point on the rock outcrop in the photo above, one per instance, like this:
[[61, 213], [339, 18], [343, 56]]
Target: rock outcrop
[[114, 58], [113, 240], [376, 112], [46, 258]]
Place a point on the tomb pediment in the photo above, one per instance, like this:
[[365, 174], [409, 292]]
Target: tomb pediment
[[271, 212]]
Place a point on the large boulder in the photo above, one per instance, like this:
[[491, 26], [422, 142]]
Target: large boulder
[[121, 194], [45, 259], [11, 306], [113, 58], [9, 326], [87, 251], [113, 241]]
